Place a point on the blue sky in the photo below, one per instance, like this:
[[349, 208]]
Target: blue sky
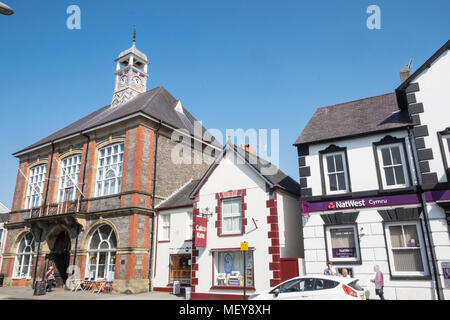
[[234, 64]]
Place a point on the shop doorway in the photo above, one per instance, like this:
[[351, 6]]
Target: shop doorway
[[59, 257]]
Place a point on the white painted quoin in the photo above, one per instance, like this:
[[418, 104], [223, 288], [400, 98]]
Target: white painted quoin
[[426, 96], [367, 168], [245, 206]]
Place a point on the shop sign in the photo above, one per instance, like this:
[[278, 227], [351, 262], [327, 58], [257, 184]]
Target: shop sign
[[344, 252], [200, 231], [362, 203]]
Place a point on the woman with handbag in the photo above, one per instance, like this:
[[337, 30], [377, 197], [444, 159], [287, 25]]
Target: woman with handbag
[[50, 278], [379, 282]]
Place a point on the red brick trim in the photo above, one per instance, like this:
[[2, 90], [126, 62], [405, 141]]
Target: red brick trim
[[228, 195], [273, 234]]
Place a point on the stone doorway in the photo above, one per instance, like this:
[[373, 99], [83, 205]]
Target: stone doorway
[[59, 257]]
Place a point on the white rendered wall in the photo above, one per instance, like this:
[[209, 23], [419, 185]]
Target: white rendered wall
[[176, 245], [290, 225], [434, 93]]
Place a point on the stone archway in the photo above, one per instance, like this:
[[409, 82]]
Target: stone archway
[[59, 256]]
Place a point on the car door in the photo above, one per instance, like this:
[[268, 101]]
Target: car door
[[325, 289], [297, 289]]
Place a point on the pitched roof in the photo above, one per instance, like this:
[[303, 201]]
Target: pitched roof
[[354, 118], [157, 103], [180, 198], [266, 170]]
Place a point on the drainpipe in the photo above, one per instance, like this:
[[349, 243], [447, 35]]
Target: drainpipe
[[423, 202], [37, 258], [150, 263], [49, 175]]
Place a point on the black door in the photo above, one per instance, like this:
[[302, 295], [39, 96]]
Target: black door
[[60, 255]]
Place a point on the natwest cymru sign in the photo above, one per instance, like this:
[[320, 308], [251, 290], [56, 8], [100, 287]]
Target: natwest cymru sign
[[200, 231], [388, 201]]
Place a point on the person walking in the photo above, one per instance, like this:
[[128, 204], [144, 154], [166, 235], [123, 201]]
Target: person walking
[[329, 271], [379, 282], [50, 278]]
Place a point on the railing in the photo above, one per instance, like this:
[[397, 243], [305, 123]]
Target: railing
[[55, 209]]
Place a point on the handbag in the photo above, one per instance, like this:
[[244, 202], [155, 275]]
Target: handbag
[[379, 291]]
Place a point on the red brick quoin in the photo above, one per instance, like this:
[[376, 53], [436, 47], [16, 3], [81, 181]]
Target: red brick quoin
[[273, 235]]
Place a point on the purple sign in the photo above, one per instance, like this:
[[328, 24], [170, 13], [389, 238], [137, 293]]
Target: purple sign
[[405, 199], [344, 252], [440, 195]]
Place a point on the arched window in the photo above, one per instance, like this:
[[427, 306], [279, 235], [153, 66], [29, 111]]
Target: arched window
[[24, 257], [70, 172], [101, 260], [109, 174], [35, 187]]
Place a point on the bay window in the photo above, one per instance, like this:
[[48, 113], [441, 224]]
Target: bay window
[[109, 173], [230, 268], [35, 187], [406, 249]]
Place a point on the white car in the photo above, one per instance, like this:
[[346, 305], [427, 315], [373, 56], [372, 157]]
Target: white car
[[314, 288]]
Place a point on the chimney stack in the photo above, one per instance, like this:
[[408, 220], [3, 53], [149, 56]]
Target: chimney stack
[[404, 74], [247, 148]]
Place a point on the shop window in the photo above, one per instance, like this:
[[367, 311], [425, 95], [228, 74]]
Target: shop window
[[35, 188], [24, 257], [180, 268], [336, 179], [70, 172], [230, 268], [342, 243], [406, 252], [231, 216], [164, 234], [101, 262], [393, 166]]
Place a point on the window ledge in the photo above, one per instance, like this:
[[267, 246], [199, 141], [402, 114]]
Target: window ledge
[[163, 241], [240, 288], [339, 263], [423, 278]]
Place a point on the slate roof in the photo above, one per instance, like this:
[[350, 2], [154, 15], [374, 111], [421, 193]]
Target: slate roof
[[179, 198], [354, 118], [157, 103]]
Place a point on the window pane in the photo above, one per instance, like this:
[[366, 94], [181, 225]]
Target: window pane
[[343, 243], [399, 175], [411, 236], [396, 237], [341, 180], [339, 163], [330, 164], [389, 174], [229, 268], [408, 260], [397, 159], [333, 182], [386, 156]]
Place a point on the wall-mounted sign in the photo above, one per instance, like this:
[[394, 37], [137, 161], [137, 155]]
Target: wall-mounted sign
[[344, 252], [200, 224], [404, 199], [244, 246], [446, 273]]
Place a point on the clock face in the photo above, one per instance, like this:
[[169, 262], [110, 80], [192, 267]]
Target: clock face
[[123, 80], [137, 81]]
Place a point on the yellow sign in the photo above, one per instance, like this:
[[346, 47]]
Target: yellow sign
[[244, 246]]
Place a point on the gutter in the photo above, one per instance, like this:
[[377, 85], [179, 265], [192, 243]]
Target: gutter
[[423, 202], [150, 263]]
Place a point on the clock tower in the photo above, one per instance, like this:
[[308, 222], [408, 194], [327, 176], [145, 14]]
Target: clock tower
[[131, 74]]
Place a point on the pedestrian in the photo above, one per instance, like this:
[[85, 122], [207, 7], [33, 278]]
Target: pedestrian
[[379, 282], [344, 273], [50, 278], [329, 271]]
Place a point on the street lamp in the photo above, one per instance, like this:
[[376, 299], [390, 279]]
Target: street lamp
[[4, 9]]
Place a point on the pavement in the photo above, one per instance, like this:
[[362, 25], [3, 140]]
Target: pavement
[[25, 293]]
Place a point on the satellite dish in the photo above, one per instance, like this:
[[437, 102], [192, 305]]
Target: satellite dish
[[4, 9]]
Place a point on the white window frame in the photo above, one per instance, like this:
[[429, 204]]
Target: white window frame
[[445, 143], [326, 173], [69, 176], [330, 248], [18, 265], [232, 215], [103, 167], [109, 253], [382, 166], [164, 224], [422, 249], [35, 187]]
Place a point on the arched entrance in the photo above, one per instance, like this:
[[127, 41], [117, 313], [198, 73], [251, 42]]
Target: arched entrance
[[59, 257]]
